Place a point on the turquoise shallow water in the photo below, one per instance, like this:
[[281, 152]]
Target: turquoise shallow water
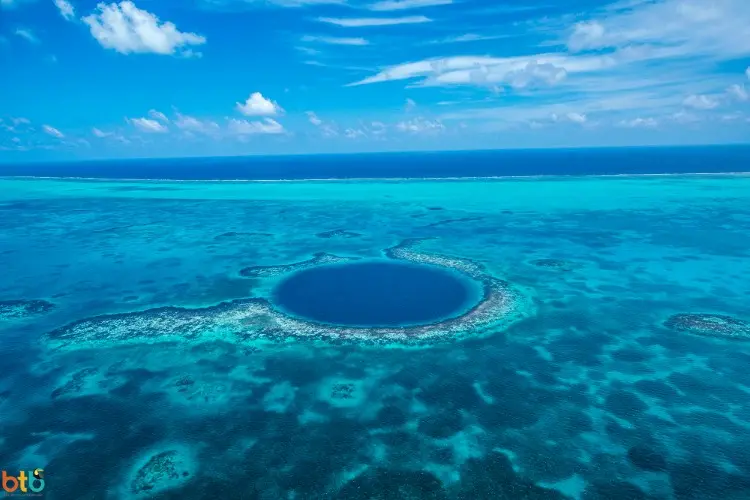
[[151, 367]]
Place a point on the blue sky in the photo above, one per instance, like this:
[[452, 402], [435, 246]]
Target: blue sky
[[80, 79]]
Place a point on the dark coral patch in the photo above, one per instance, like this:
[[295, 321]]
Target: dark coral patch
[[555, 264], [647, 458], [19, 309], [710, 325], [493, 478], [389, 484], [441, 424], [338, 233], [625, 404]]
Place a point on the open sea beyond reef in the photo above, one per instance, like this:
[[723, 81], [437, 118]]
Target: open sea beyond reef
[[548, 338]]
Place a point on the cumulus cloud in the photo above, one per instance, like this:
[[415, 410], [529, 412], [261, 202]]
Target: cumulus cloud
[[245, 127], [747, 72], [420, 125], [147, 125], [111, 135], [52, 131], [194, 125], [158, 115], [586, 35], [354, 133], [257, 105], [639, 123], [373, 21], [390, 5], [27, 35], [738, 92], [332, 40], [313, 118], [127, 29], [326, 128], [576, 117], [66, 9], [701, 102]]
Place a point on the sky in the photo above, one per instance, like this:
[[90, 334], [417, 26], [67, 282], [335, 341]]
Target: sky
[[167, 78]]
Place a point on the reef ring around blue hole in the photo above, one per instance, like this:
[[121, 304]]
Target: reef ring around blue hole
[[378, 293]]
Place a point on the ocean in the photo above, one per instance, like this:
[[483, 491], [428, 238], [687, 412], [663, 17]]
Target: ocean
[[511, 325], [457, 164]]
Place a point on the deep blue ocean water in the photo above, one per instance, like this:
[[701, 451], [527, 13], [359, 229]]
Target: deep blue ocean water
[[142, 355], [373, 294], [599, 161]]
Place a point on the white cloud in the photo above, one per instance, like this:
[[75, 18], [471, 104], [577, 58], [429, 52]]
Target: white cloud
[[467, 37], [701, 102], [747, 72], [244, 127], [128, 29], [482, 70], [20, 121], [738, 92], [669, 28], [327, 129], [586, 35], [147, 125], [257, 105], [352, 133], [335, 40], [420, 125], [639, 123], [576, 117], [113, 135], [52, 131], [66, 9], [158, 115], [374, 21], [27, 35], [684, 117], [410, 105], [378, 128], [390, 5], [191, 124], [313, 118]]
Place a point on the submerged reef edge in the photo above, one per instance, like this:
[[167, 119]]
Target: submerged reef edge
[[255, 320]]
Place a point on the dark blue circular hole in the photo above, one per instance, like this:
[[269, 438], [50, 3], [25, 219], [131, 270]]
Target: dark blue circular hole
[[375, 294]]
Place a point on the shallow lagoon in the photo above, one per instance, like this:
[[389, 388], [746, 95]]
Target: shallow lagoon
[[622, 375]]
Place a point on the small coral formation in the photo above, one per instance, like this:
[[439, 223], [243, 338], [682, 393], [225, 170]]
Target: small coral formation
[[163, 470], [75, 384], [342, 391], [710, 325], [19, 309], [272, 271]]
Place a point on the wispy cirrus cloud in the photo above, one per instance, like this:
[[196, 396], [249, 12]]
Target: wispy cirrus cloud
[[395, 5], [358, 22], [332, 40], [66, 9], [49, 130], [28, 35]]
